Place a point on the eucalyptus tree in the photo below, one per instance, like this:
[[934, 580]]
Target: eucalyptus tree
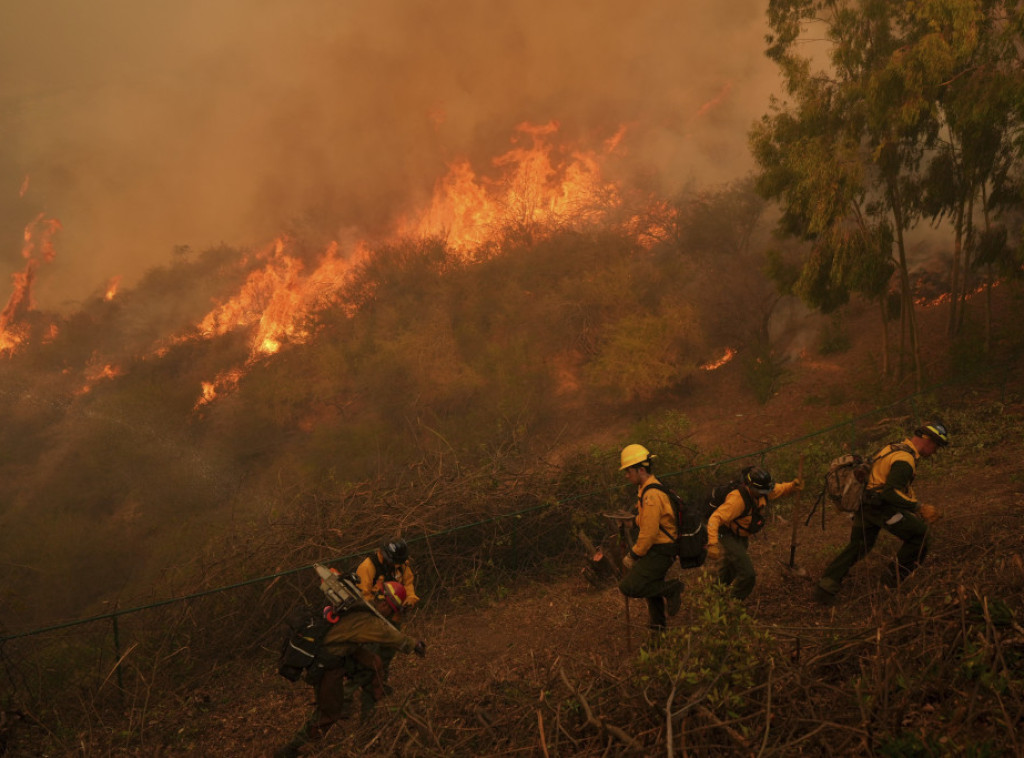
[[968, 53], [834, 157], [896, 112]]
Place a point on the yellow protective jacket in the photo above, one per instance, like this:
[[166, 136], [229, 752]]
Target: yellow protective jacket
[[730, 513], [372, 576], [892, 474], [358, 627], [653, 511]]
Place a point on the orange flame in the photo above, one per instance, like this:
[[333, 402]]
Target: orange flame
[[945, 297], [712, 365], [537, 188], [279, 300], [95, 373], [38, 249], [717, 100], [112, 286], [226, 381]]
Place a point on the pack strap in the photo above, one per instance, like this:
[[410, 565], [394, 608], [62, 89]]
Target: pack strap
[[894, 447], [378, 569], [671, 502], [749, 506]]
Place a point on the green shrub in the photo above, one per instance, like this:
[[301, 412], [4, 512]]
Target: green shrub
[[719, 651]]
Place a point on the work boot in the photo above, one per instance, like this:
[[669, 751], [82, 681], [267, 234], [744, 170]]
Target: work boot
[[673, 601], [823, 596]]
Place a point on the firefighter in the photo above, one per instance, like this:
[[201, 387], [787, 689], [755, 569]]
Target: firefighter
[[346, 661], [650, 558], [389, 563], [889, 504], [730, 525]]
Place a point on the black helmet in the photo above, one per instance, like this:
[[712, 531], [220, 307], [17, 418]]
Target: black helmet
[[394, 552], [935, 432], [758, 480]]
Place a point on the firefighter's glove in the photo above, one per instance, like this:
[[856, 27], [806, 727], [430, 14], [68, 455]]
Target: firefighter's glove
[[714, 552], [628, 561], [929, 513], [420, 649], [798, 485]]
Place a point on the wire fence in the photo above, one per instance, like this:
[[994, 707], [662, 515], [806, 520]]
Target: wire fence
[[170, 636]]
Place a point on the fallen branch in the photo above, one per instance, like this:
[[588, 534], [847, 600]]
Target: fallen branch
[[596, 722], [738, 738], [540, 730]]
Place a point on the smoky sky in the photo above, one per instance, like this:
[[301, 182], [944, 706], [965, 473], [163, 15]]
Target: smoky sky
[[142, 126]]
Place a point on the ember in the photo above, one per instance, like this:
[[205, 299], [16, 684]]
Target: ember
[[729, 353]]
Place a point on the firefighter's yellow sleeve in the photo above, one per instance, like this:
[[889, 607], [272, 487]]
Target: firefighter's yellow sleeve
[[406, 576], [781, 489], [730, 510], [651, 513], [365, 572]]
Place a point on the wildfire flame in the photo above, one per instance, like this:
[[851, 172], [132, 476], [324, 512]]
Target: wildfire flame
[[717, 100], [278, 299], [226, 381], [712, 365], [945, 297], [536, 188], [95, 373], [112, 286], [38, 249]]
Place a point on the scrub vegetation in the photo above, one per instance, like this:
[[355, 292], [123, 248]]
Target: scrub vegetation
[[474, 402]]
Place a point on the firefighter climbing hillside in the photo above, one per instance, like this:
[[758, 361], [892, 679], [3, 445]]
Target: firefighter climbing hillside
[[889, 504], [730, 525], [650, 558], [346, 661], [389, 563]]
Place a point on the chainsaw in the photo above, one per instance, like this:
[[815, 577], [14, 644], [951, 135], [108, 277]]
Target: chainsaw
[[344, 595]]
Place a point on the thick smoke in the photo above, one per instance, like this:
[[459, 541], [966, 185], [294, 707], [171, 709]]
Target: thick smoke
[[144, 126]]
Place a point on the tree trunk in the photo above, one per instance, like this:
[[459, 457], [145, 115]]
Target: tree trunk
[[988, 309], [966, 285], [908, 295], [954, 274], [885, 335]]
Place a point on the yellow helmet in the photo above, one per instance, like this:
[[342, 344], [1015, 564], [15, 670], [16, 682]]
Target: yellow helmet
[[634, 455], [936, 432]]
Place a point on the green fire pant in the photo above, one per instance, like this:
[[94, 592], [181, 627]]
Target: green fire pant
[[736, 569], [868, 523], [647, 580]]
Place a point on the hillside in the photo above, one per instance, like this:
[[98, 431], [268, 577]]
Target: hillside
[[545, 663]]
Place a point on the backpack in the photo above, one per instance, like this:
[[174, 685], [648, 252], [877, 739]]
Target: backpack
[[691, 531], [846, 480], [300, 646], [720, 492]]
